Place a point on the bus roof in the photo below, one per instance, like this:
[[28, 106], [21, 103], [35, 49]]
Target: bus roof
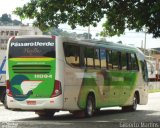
[[98, 43], [106, 44]]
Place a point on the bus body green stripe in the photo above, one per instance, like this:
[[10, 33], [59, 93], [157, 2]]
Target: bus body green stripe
[[32, 71], [117, 88]]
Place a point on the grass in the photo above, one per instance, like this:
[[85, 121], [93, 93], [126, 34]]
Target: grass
[[154, 90]]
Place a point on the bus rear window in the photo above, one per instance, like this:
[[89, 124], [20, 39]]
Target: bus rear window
[[32, 47]]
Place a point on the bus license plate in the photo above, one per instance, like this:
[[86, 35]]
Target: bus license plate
[[31, 102]]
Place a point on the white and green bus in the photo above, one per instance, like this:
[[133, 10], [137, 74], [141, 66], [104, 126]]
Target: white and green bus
[[2, 74], [46, 74]]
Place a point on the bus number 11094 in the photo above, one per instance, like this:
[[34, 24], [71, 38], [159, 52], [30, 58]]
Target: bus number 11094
[[42, 76]]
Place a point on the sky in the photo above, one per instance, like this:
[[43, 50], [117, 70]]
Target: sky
[[8, 6], [130, 37]]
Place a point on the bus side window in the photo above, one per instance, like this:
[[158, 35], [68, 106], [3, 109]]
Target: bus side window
[[129, 65], [72, 54], [97, 58], [144, 70], [123, 61], [119, 61], [134, 62], [109, 59], [115, 60], [82, 57], [89, 56], [103, 58]]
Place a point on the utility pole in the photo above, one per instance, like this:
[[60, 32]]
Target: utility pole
[[145, 36], [89, 32], [142, 44]]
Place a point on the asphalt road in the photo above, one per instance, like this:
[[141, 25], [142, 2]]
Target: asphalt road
[[146, 116]]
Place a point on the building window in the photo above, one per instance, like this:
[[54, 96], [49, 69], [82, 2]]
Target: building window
[[7, 33], [2, 33], [11, 33], [16, 33]]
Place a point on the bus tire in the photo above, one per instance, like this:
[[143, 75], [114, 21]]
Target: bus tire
[[5, 102], [4, 99], [2, 96], [132, 107], [45, 114], [90, 106], [78, 113], [97, 110]]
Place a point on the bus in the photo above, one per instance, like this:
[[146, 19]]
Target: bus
[[152, 72], [2, 75], [153, 68], [46, 74]]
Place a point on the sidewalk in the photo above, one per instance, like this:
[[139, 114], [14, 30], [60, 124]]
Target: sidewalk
[[154, 85]]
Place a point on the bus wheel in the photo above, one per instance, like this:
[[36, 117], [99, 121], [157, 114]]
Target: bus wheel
[[133, 107], [90, 106], [97, 110], [5, 102], [4, 99], [45, 114], [78, 114]]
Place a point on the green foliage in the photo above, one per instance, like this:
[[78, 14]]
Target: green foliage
[[16, 22], [6, 19], [60, 32], [119, 14]]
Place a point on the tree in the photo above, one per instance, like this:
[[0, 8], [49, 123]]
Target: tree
[[17, 22], [119, 14], [60, 32], [53, 31], [6, 18]]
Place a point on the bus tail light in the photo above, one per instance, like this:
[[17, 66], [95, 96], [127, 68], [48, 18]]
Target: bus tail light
[[8, 88], [53, 37], [57, 89]]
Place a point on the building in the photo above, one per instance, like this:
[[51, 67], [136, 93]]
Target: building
[[7, 31], [153, 63]]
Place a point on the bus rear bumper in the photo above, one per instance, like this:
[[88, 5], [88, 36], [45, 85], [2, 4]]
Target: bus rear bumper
[[35, 104]]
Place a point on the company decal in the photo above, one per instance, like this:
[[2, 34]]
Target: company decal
[[2, 66], [22, 87], [31, 44]]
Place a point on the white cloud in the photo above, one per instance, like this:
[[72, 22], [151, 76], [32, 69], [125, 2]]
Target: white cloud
[[8, 6]]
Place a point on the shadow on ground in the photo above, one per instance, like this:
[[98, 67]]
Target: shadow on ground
[[105, 116]]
